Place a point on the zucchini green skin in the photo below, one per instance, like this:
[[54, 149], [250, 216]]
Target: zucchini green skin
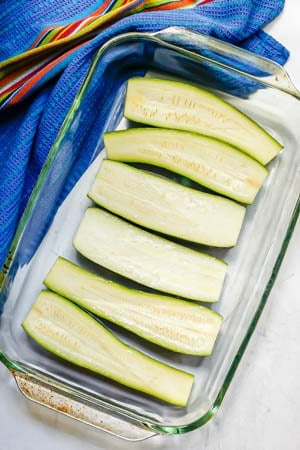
[[165, 206], [177, 105], [149, 259], [208, 161], [73, 335], [175, 324]]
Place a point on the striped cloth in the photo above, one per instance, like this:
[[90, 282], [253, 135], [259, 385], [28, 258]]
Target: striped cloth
[[46, 47], [50, 49]]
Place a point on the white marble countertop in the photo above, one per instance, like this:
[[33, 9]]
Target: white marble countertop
[[261, 410]]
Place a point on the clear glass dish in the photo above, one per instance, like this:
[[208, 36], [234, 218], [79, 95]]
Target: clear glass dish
[[71, 166]]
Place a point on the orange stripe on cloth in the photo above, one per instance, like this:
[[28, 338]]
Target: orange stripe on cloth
[[31, 82]]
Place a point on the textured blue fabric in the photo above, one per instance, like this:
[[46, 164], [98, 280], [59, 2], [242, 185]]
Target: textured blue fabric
[[28, 131]]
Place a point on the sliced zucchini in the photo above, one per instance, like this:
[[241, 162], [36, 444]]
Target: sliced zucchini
[[210, 162], [70, 333], [178, 325], [173, 104], [166, 206], [148, 259]]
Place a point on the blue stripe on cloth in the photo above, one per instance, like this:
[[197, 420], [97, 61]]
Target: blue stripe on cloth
[[38, 120]]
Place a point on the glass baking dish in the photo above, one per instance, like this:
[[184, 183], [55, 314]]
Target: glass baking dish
[[256, 86]]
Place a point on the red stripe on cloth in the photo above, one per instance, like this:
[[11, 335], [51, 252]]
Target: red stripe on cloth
[[19, 83], [172, 5], [31, 82], [68, 30], [178, 4]]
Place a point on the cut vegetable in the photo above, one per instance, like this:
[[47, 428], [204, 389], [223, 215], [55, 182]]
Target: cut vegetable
[[173, 104], [149, 259], [166, 206], [171, 323], [210, 162], [65, 330]]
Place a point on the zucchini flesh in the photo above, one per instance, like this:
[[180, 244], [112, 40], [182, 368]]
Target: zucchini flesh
[[173, 104], [175, 324], [65, 330], [210, 162], [166, 206], [148, 259]]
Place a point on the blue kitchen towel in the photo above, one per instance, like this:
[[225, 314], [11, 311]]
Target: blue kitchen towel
[[28, 129]]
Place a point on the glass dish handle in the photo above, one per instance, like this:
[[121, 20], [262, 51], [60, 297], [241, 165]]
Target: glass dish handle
[[44, 392], [229, 57]]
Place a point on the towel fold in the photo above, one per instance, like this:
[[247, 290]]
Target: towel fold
[[44, 63]]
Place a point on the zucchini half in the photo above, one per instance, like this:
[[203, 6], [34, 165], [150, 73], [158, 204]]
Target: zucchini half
[[72, 334], [210, 162], [165, 206], [173, 104], [175, 324], [149, 259]]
